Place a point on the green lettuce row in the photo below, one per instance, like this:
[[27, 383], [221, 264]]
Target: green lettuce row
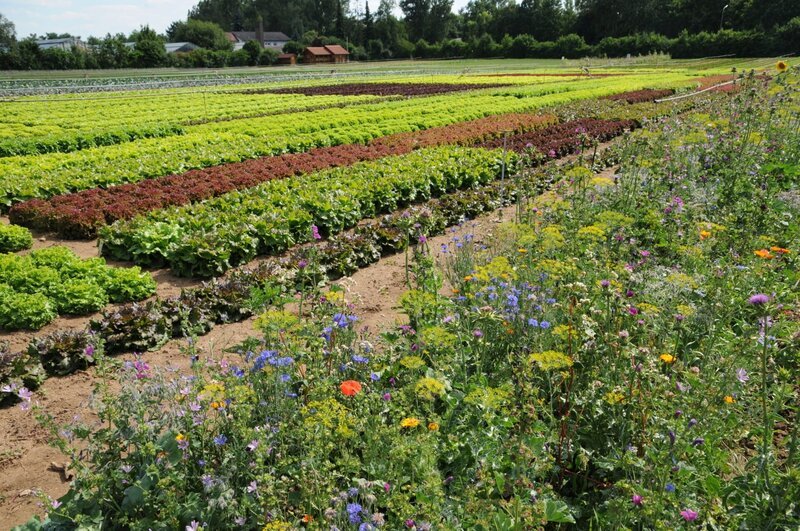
[[36, 288], [206, 239], [211, 144]]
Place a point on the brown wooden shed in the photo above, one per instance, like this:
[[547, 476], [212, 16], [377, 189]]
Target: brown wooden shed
[[287, 59], [339, 53], [317, 54]]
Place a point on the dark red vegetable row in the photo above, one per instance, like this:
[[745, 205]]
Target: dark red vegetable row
[[562, 139], [640, 96], [80, 214], [382, 89]]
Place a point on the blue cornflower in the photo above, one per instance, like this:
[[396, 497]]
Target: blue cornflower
[[263, 358], [326, 333], [352, 492], [533, 322], [670, 487], [544, 324], [353, 512], [374, 376], [280, 362], [550, 301], [239, 373], [285, 377], [220, 439], [360, 359]]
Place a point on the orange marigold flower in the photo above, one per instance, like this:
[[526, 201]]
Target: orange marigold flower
[[432, 426], [729, 399], [667, 358], [350, 387], [779, 250], [409, 422], [307, 518], [704, 234], [763, 253]]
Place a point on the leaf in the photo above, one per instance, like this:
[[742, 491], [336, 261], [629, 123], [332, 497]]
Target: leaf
[[557, 511]]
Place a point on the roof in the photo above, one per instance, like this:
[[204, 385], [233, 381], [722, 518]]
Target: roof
[[318, 50], [56, 41], [244, 36], [173, 47], [335, 49]]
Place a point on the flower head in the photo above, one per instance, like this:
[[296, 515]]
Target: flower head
[[350, 387], [742, 376], [636, 499], [667, 358], [315, 232], [781, 66], [409, 422], [758, 299], [689, 515]]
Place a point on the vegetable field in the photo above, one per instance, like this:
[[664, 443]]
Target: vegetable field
[[580, 286]]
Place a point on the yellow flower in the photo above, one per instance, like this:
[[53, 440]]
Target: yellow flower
[[180, 437], [763, 253], [667, 358], [704, 234], [432, 426], [729, 399], [409, 422], [781, 66], [522, 251]]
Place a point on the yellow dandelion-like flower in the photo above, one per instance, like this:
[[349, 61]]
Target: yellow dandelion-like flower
[[667, 358], [729, 399], [781, 66], [763, 253], [180, 437], [704, 234], [409, 422], [432, 426]]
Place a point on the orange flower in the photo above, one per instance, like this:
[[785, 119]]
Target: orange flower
[[704, 234], [350, 387], [667, 358], [781, 66], [779, 250], [729, 399], [433, 426], [763, 253], [307, 518]]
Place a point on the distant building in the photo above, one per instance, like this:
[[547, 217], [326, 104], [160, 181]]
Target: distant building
[[172, 47], [65, 44], [270, 39], [287, 59], [180, 47], [332, 53]]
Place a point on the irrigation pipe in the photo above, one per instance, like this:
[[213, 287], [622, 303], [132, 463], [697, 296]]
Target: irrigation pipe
[[680, 97]]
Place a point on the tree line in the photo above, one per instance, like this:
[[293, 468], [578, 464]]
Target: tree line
[[430, 29]]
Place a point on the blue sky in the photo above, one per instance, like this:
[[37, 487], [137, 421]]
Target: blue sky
[[98, 17]]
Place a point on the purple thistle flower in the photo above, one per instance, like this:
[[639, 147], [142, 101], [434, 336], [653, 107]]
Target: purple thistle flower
[[315, 232], [758, 299], [636, 499], [689, 515], [477, 333]]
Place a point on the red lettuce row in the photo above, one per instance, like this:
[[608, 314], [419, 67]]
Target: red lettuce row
[[382, 89], [640, 96], [562, 139], [80, 214]]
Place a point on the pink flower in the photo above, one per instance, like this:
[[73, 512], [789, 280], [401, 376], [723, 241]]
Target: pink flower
[[689, 515], [636, 500], [315, 232]]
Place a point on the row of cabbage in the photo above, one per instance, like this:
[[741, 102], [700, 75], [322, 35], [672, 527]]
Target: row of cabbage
[[206, 239], [216, 143]]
